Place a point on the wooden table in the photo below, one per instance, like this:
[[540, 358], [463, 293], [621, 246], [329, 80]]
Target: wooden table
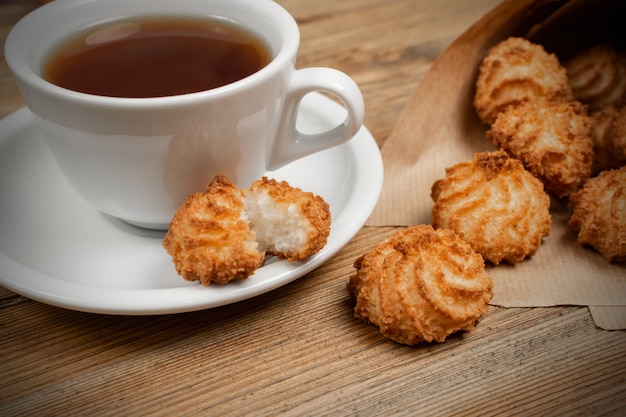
[[297, 350]]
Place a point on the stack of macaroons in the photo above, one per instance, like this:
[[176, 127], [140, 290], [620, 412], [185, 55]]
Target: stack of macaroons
[[566, 135], [558, 130]]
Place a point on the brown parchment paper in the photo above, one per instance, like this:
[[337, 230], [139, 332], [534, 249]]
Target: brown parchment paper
[[438, 128]]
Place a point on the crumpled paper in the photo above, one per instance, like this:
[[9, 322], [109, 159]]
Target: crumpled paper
[[438, 128]]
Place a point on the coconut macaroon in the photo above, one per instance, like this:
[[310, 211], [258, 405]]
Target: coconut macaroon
[[224, 233], [420, 285], [552, 139], [517, 70], [600, 214], [608, 132], [209, 238], [598, 76], [288, 222], [499, 208]]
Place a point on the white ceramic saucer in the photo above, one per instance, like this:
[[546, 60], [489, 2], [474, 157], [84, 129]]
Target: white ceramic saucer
[[56, 249]]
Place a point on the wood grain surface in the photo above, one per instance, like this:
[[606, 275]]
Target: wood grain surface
[[297, 350]]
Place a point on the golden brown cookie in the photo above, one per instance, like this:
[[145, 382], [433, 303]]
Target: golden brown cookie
[[552, 139], [598, 76], [517, 70], [608, 132], [495, 205], [421, 285], [209, 238], [600, 214]]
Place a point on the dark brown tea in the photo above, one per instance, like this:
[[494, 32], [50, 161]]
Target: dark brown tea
[[156, 58]]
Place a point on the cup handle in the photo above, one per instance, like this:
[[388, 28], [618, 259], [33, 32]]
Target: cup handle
[[290, 143]]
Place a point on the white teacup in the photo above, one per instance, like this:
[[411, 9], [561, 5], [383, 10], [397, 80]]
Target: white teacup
[[138, 158]]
